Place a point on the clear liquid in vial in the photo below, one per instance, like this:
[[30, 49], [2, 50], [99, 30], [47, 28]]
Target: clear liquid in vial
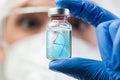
[[59, 43]]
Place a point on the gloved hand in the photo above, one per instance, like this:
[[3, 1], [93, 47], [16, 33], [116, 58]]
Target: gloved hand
[[108, 35]]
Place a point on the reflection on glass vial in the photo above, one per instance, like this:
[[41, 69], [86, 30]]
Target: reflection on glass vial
[[59, 44]]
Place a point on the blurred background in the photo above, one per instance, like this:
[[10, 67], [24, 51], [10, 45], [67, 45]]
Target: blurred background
[[23, 34]]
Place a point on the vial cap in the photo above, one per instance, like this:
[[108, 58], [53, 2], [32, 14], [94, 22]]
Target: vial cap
[[58, 12]]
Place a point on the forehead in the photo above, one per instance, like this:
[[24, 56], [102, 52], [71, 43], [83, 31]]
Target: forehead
[[33, 6], [40, 3]]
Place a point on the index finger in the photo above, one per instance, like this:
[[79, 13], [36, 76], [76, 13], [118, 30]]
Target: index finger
[[88, 11]]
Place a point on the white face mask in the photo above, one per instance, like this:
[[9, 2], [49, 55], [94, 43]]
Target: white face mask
[[26, 59]]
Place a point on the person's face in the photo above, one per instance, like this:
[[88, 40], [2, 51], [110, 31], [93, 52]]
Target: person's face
[[20, 26], [23, 25]]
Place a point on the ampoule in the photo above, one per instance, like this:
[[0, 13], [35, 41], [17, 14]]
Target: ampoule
[[58, 34]]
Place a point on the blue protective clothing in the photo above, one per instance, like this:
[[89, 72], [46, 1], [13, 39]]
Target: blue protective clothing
[[108, 36]]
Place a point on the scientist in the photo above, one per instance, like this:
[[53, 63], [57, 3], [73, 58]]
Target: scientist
[[108, 36], [22, 40]]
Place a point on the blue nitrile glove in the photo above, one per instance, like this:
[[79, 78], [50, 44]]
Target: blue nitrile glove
[[108, 36], [87, 11], [108, 42]]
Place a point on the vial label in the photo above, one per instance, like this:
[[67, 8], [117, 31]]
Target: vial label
[[59, 43]]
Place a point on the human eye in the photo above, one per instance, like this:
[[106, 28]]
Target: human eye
[[29, 22]]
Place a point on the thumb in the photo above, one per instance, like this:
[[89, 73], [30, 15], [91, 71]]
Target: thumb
[[80, 68]]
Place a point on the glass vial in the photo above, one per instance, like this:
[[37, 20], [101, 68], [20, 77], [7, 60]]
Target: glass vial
[[58, 34]]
